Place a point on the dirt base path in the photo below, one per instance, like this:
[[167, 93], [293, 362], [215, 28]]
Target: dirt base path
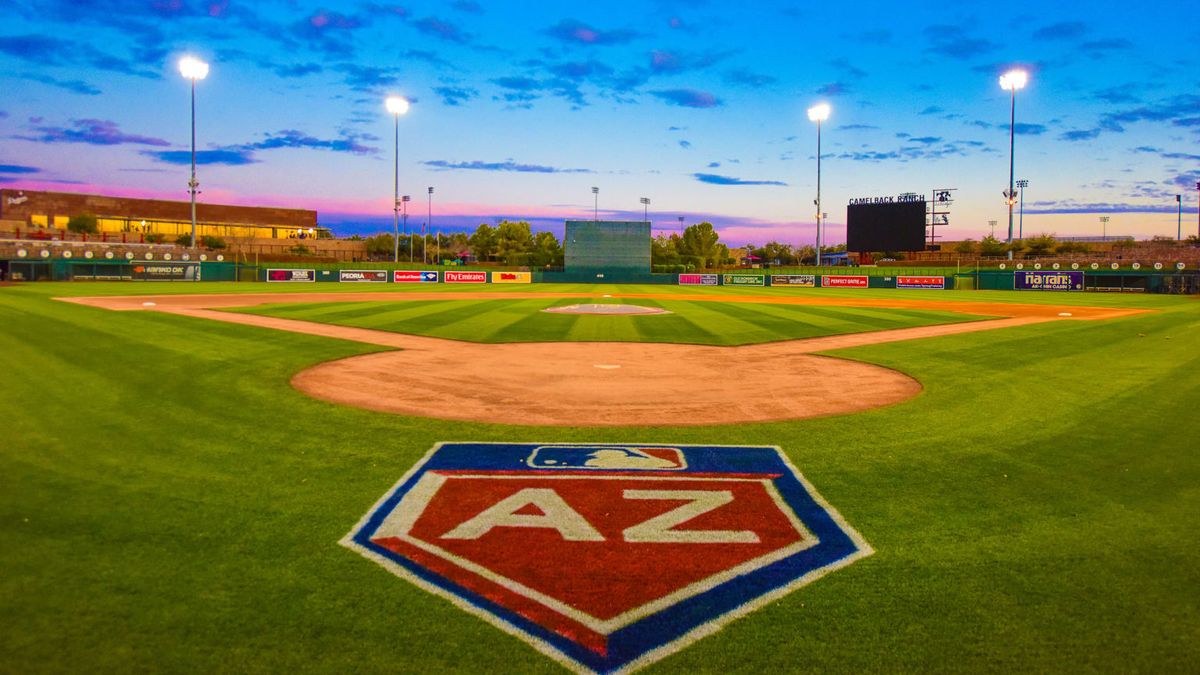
[[602, 383]]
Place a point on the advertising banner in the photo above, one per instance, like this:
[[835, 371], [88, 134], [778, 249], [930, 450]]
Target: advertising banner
[[512, 277], [920, 282], [166, 271], [1048, 281], [414, 277], [802, 280], [464, 277], [744, 280], [372, 276], [291, 275], [844, 281], [697, 280]]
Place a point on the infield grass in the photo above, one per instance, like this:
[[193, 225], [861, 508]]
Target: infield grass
[[169, 503], [690, 322]]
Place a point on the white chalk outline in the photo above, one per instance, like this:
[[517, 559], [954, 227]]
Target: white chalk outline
[[678, 644]]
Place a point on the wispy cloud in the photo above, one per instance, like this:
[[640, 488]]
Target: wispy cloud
[[18, 169], [91, 132], [1063, 30], [856, 127], [953, 42], [688, 98], [714, 179], [73, 86], [1079, 135], [455, 96], [228, 157], [507, 165], [578, 32], [833, 89], [441, 29], [742, 77], [686, 145]]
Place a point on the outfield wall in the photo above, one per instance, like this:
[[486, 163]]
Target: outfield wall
[[1120, 280]]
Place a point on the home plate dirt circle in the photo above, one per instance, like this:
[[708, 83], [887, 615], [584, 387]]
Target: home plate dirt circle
[[606, 308], [605, 384]]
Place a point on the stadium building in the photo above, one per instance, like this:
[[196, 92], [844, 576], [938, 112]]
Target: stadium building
[[37, 210]]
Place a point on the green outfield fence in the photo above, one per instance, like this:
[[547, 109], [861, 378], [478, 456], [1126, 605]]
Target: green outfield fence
[[1125, 279]]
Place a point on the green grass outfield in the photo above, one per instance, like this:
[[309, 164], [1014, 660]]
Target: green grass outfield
[[690, 322], [169, 503]]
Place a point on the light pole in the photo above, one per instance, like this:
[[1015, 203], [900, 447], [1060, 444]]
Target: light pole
[[396, 105], [1198, 209], [429, 222], [818, 113], [404, 203], [193, 69], [1179, 223], [992, 224], [596, 204], [681, 226], [1104, 226], [1021, 221], [1012, 81], [645, 209]]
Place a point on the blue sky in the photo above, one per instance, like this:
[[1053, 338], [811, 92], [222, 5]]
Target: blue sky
[[520, 108]]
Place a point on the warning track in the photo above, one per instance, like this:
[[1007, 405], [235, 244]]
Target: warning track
[[603, 383]]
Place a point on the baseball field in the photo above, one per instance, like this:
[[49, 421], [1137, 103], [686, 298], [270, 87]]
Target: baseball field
[[176, 473]]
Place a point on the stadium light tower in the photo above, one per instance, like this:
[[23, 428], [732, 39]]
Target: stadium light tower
[[645, 209], [1179, 224], [404, 203], [193, 69], [429, 223], [1012, 81], [397, 106], [819, 113], [596, 204], [1104, 226], [681, 226], [1021, 220]]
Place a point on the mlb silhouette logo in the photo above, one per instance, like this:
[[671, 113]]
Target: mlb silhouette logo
[[606, 557]]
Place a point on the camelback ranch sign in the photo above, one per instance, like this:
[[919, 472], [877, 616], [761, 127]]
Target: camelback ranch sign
[[744, 280], [606, 557], [698, 279], [1048, 281], [802, 280]]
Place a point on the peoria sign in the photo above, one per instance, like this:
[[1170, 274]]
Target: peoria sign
[[606, 556]]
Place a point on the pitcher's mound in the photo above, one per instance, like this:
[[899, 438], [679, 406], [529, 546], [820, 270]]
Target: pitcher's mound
[[609, 308]]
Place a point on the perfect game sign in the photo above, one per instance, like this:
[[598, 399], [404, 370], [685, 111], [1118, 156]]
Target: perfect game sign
[[606, 557]]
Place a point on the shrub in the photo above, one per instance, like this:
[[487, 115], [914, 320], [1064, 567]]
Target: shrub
[[212, 243], [155, 238], [299, 249], [184, 240]]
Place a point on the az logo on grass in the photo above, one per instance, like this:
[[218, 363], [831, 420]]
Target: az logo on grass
[[606, 556]]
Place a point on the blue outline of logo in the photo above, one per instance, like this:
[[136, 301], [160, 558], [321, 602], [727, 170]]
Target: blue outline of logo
[[652, 636]]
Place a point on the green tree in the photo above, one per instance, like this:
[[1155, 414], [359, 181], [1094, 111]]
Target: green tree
[[664, 250], [483, 242], [184, 240], [965, 246], [84, 223], [546, 250], [700, 241], [991, 246], [514, 241], [380, 245], [212, 243], [1041, 244]]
